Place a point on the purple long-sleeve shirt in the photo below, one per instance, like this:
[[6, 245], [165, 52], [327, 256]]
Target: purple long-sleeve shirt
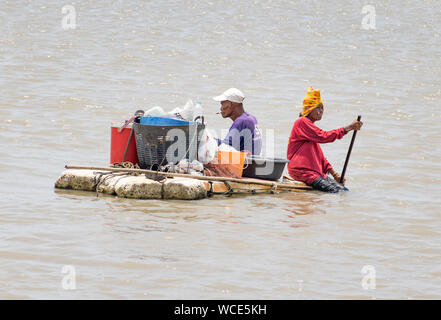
[[244, 134]]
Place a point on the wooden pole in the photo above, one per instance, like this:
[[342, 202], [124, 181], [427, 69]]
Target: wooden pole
[[349, 153], [206, 178]]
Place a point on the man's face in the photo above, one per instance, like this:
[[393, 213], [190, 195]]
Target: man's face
[[226, 108]]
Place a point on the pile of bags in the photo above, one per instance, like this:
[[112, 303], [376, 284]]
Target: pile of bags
[[208, 145], [188, 112]]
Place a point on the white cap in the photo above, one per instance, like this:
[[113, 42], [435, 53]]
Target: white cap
[[232, 94]]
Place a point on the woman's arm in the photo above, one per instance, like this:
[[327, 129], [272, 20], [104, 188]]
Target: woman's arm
[[309, 131]]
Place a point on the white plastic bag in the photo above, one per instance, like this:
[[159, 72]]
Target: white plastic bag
[[194, 167], [176, 112], [155, 112], [186, 112], [226, 147], [207, 150]]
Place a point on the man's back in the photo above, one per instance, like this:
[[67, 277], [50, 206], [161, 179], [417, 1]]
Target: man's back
[[244, 134]]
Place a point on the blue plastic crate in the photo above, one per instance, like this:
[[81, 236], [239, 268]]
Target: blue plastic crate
[[163, 121]]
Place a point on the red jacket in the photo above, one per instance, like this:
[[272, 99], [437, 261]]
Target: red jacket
[[307, 161]]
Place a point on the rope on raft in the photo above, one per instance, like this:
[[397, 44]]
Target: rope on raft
[[127, 165], [103, 176]]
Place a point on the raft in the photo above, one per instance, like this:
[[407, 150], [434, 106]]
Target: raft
[[147, 184]]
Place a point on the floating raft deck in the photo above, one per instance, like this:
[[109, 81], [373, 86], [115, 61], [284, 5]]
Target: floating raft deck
[[147, 184]]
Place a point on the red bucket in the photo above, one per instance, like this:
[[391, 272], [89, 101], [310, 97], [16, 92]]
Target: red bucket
[[118, 143]]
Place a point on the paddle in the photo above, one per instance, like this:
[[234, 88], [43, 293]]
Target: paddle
[[349, 153]]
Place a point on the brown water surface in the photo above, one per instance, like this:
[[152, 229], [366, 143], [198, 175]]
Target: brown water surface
[[61, 89]]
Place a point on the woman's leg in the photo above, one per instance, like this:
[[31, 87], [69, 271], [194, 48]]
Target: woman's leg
[[337, 184], [327, 185]]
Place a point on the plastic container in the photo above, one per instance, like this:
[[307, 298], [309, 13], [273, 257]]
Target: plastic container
[[163, 121], [118, 143], [153, 143], [234, 159], [264, 168]]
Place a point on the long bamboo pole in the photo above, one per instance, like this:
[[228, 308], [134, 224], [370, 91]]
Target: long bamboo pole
[[206, 178], [349, 154]]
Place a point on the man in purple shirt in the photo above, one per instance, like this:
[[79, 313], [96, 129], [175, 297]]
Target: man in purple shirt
[[244, 134]]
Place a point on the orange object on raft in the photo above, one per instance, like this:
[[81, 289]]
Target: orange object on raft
[[234, 159], [118, 143]]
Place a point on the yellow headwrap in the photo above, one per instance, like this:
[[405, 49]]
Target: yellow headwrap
[[311, 101]]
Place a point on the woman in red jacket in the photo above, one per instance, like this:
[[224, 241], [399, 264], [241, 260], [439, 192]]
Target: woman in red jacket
[[307, 162]]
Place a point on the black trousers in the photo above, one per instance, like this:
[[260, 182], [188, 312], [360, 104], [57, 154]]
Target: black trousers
[[328, 185]]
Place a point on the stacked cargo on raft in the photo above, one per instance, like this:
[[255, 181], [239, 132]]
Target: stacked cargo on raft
[[164, 157]]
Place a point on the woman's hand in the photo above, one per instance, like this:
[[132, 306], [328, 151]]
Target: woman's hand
[[337, 177], [355, 125]]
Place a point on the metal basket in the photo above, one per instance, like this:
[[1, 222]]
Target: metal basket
[[158, 145]]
